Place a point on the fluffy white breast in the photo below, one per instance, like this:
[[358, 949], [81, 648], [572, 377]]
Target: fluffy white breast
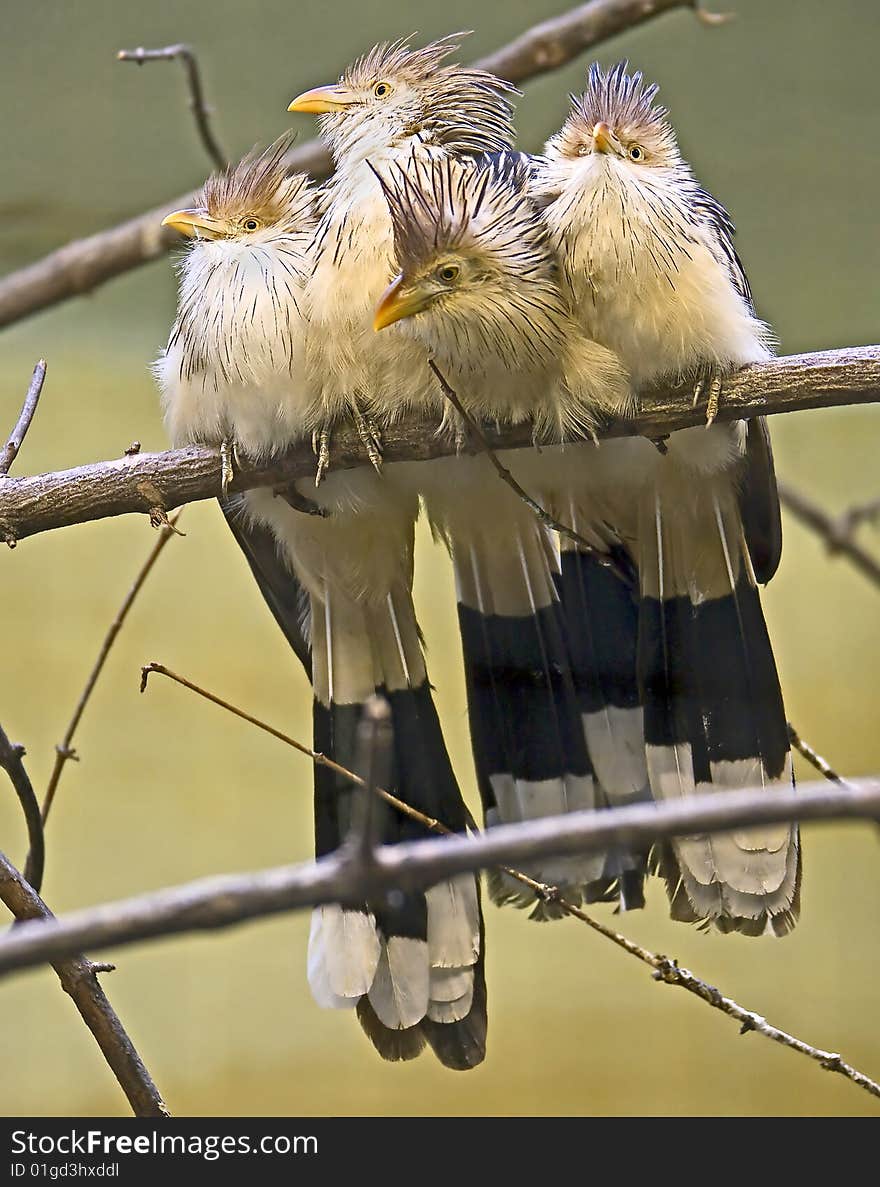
[[645, 271], [354, 263], [232, 367]]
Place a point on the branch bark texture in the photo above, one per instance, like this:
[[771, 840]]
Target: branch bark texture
[[156, 483]]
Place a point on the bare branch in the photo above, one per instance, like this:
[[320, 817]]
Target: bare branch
[[665, 969], [854, 517], [481, 442], [186, 55], [144, 482], [837, 535], [374, 745], [28, 408], [220, 901], [11, 762], [78, 978], [64, 750], [82, 265], [822, 765]]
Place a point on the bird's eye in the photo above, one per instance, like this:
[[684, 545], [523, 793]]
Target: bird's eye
[[636, 152], [382, 90], [448, 273], [251, 224], [584, 150]]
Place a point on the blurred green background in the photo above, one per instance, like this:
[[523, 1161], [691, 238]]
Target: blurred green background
[[778, 112]]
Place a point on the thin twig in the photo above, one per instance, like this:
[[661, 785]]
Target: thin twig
[[373, 750], [853, 517], [219, 902], [11, 762], [185, 54], [482, 442], [82, 265], [144, 481], [64, 749], [837, 541], [28, 408], [78, 979], [665, 969], [822, 765]]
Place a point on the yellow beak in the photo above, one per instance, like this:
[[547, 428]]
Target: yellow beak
[[197, 224], [321, 100], [603, 138], [396, 304]]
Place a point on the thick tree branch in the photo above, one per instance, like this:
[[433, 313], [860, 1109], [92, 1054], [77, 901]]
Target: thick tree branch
[[78, 978], [156, 483], [83, 265], [224, 900]]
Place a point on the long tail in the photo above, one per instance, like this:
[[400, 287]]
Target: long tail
[[411, 963], [528, 744], [601, 616], [714, 717]]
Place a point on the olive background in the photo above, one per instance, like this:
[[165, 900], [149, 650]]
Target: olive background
[[777, 111]]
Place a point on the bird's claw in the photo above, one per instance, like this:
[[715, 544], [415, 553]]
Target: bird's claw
[[370, 435], [228, 462], [300, 502], [711, 384], [321, 448]]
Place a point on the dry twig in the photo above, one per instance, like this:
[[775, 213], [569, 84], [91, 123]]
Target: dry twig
[[11, 762], [143, 481], [837, 533], [84, 264], [219, 902], [64, 750], [28, 408], [78, 978], [186, 55], [822, 765]]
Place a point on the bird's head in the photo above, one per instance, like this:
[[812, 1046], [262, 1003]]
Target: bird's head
[[474, 263], [253, 203], [617, 127], [395, 94]]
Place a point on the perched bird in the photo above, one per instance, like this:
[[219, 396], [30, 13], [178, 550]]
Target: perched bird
[[226, 374], [232, 371], [478, 288], [651, 272], [415, 962]]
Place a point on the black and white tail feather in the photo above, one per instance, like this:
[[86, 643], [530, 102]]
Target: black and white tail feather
[[411, 963], [714, 716]]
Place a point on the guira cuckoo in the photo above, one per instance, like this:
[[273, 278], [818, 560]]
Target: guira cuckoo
[[650, 268]]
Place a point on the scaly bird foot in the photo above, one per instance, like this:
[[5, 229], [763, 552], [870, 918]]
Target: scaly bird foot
[[228, 462], [370, 435], [300, 502], [321, 447], [711, 384]]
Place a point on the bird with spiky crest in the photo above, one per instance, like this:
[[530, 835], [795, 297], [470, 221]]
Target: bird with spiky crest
[[478, 288], [228, 374], [414, 962], [649, 264]]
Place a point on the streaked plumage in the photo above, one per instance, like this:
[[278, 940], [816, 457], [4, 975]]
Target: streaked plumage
[[425, 978], [478, 288], [651, 270]]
